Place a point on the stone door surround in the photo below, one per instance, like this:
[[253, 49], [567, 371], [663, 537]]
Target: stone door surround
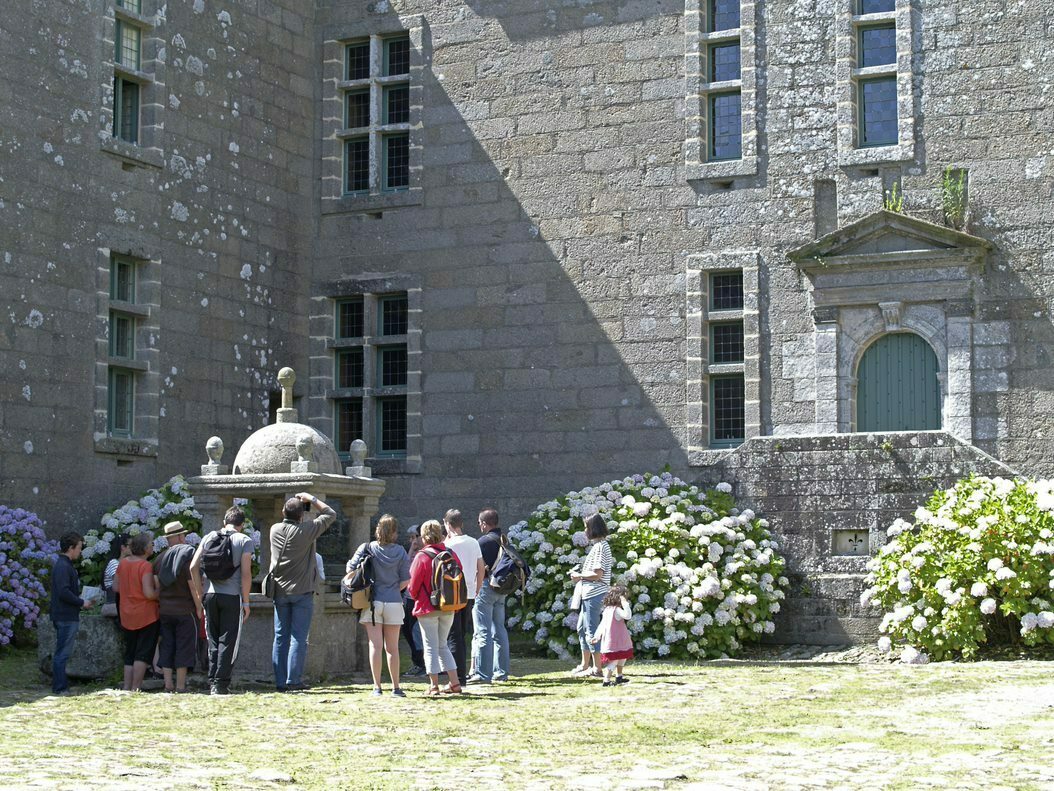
[[889, 272]]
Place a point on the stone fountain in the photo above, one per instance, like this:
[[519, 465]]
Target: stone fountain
[[273, 464]]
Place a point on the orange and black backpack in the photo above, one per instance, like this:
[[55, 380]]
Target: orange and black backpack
[[449, 592]]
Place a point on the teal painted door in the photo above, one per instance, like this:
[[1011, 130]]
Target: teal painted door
[[897, 387]]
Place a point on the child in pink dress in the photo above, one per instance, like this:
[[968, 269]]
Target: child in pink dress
[[616, 645]]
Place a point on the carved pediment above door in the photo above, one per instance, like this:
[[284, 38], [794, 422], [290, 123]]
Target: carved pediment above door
[[889, 257]]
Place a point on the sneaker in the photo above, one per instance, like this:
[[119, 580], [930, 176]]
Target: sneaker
[[300, 686], [217, 689], [416, 671], [608, 684], [377, 692], [476, 679], [398, 693], [621, 680], [499, 679]]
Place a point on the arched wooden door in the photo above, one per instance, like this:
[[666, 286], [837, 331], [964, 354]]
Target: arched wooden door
[[897, 386]]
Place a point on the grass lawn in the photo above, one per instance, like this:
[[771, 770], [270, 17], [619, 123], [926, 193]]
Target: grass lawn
[[713, 725]]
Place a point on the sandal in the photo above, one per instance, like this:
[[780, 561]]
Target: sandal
[[433, 692], [595, 673], [451, 689], [580, 671]]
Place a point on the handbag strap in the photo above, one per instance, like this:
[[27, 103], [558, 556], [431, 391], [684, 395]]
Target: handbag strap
[[275, 562]]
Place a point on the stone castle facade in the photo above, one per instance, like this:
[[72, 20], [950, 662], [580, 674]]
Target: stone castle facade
[[523, 247]]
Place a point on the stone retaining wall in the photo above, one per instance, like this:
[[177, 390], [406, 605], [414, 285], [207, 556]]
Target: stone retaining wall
[[812, 488]]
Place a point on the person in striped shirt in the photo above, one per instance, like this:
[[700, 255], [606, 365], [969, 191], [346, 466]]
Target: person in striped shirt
[[593, 582]]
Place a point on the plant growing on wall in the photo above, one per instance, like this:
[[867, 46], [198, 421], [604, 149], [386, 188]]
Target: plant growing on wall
[[953, 198], [26, 557], [977, 566], [704, 578], [894, 199], [150, 512]]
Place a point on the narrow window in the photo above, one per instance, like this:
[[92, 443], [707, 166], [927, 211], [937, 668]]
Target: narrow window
[[727, 410], [391, 425], [358, 60], [127, 45], [878, 45], [726, 342], [126, 110], [724, 15], [394, 315], [391, 366], [726, 291], [726, 131], [121, 395], [878, 111], [122, 336], [350, 318], [357, 156], [349, 368], [397, 104], [396, 56], [877, 6], [135, 6], [396, 161], [348, 417], [357, 112], [122, 279], [724, 62]]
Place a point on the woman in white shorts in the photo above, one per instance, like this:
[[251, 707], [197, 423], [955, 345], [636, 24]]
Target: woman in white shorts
[[391, 574]]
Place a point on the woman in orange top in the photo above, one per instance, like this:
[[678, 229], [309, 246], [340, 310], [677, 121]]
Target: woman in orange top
[[140, 619]]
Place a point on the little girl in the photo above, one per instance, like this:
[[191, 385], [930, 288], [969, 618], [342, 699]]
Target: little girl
[[616, 645]]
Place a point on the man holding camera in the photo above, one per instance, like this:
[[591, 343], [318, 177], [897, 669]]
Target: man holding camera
[[295, 575]]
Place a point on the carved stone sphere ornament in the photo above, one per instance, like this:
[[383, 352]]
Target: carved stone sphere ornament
[[214, 449]]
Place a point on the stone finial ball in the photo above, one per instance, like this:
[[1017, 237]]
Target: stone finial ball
[[304, 445], [358, 453], [286, 377], [214, 449]]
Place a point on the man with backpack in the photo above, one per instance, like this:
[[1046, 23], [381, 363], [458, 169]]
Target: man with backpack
[[225, 557], [468, 553], [295, 576], [488, 614], [177, 604]]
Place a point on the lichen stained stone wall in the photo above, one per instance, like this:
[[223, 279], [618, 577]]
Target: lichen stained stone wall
[[215, 198]]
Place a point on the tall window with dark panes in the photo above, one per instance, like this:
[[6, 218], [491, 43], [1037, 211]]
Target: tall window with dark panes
[[127, 59], [376, 130], [727, 403], [371, 372], [121, 378], [876, 61], [724, 102]]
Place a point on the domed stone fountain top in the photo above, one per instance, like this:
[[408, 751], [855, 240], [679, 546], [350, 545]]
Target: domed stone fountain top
[[273, 448]]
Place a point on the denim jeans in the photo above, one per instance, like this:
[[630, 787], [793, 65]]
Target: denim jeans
[[292, 621], [65, 637], [488, 618], [588, 622]]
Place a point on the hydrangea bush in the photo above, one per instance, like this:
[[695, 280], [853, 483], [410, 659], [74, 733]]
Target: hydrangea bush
[[704, 578], [26, 556], [151, 512], [976, 566]]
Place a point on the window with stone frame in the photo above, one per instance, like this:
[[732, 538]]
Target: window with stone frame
[[720, 56], [126, 406], [132, 108], [372, 145], [724, 353], [874, 80], [370, 372]]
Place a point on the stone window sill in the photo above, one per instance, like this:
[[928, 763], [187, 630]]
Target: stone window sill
[[133, 154], [704, 457], [717, 171], [862, 157], [359, 204], [131, 365], [122, 446]]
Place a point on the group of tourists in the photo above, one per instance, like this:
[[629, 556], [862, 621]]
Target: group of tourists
[[429, 593]]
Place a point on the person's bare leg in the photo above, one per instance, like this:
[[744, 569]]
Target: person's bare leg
[[391, 648], [138, 674], [127, 684], [373, 633], [181, 678], [167, 673]]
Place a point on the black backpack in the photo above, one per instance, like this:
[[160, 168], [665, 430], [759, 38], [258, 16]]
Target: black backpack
[[510, 571], [360, 578], [217, 556]]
